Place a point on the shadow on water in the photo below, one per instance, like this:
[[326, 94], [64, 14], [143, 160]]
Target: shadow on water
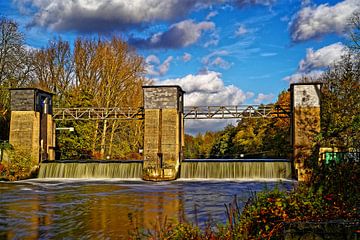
[[103, 209]]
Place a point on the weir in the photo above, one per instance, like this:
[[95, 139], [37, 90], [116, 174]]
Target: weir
[[32, 130], [190, 169], [236, 169], [91, 169]]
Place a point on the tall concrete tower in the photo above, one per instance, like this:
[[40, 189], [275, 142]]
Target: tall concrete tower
[[31, 125], [163, 133], [306, 106]]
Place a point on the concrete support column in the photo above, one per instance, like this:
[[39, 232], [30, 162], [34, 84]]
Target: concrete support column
[[163, 133], [25, 133], [31, 124], [305, 101]]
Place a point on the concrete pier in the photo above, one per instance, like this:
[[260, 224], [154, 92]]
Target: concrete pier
[[163, 133], [305, 101], [31, 124]]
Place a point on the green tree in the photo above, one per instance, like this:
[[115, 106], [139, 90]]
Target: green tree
[[340, 118]]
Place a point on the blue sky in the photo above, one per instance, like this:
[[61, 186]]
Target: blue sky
[[220, 51]]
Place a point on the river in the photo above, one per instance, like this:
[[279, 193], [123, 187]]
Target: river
[[110, 208]]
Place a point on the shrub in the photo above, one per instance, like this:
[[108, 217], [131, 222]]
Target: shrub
[[19, 165]]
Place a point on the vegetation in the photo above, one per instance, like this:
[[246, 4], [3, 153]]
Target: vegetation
[[255, 137], [19, 165], [331, 194], [333, 191], [96, 72]]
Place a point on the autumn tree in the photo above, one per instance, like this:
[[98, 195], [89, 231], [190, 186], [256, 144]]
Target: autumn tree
[[106, 71], [340, 118], [53, 69], [14, 67], [355, 31]]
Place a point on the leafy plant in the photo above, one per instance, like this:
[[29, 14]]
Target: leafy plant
[[19, 165]]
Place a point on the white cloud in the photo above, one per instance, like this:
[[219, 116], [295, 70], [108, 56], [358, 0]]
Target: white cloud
[[207, 89], [211, 15], [323, 57], [264, 98], [155, 68], [94, 16], [269, 54], [164, 67], [206, 60], [186, 57], [220, 62], [201, 126], [315, 21], [152, 59], [298, 76], [314, 63], [243, 3], [241, 30], [181, 34], [100, 16], [215, 59]]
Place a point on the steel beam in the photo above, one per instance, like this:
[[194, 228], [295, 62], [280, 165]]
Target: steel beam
[[190, 112]]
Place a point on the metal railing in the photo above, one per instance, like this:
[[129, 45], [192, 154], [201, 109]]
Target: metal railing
[[238, 112], [98, 113], [191, 112]]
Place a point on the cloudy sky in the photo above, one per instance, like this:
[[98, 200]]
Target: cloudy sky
[[222, 52]]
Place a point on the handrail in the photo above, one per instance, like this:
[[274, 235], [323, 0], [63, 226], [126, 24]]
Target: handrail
[[190, 112]]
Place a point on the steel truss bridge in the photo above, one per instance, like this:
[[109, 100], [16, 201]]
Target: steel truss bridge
[[190, 112]]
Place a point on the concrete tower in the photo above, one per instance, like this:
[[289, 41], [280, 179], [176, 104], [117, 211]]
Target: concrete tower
[[31, 124], [163, 133], [305, 101]]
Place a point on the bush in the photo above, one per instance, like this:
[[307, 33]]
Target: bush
[[19, 165]]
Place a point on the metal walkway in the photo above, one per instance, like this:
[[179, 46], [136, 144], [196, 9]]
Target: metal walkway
[[190, 112], [237, 112]]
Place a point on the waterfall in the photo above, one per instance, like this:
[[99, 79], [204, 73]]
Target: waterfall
[[232, 169], [93, 169]]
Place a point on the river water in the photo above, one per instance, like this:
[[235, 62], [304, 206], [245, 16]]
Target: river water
[[109, 209]]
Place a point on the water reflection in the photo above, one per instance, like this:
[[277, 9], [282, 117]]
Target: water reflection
[[110, 209]]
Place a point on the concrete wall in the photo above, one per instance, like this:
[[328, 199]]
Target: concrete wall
[[22, 99], [163, 132], [25, 132], [305, 124], [31, 125]]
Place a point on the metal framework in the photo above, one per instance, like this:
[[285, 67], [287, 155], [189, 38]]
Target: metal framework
[[238, 112], [98, 113], [194, 112]]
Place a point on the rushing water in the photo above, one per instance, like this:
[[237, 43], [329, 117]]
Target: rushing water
[[189, 169], [109, 209], [91, 169], [236, 169]]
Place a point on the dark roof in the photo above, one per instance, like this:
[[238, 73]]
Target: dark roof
[[164, 86], [34, 89]]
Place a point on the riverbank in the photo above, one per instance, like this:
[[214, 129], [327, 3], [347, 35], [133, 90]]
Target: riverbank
[[331, 195]]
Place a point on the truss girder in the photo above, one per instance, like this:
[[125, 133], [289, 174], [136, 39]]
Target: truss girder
[[98, 113], [190, 112], [237, 112]]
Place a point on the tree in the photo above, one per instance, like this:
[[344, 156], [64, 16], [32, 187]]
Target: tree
[[341, 104], [355, 32], [54, 69], [105, 72], [14, 68]]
